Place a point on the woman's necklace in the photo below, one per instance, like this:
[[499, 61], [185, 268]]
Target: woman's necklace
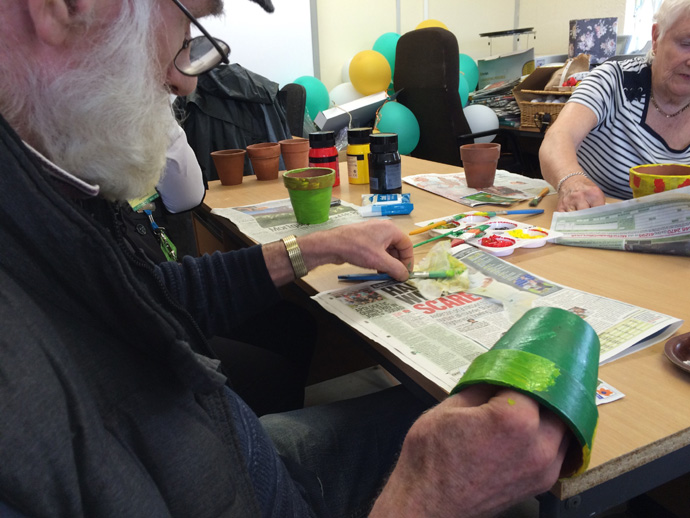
[[668, 115]]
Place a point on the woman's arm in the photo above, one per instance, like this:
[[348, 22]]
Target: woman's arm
[[558, 159]]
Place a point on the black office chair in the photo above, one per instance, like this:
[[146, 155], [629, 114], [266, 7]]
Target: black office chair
[[293, 98], [427, 76]]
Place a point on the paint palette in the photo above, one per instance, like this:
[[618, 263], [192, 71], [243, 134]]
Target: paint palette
[[503, 235]]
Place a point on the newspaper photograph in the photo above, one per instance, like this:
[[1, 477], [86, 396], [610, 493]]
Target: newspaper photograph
[[506, 186], [440, 335], [657, 223], [273, 220]]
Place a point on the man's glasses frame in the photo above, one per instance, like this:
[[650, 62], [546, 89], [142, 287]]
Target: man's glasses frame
[[221, 47]]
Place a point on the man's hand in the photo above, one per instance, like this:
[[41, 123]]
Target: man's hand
[[474, 455], [376, 244]]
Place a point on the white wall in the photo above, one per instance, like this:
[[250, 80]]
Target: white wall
[[277, 45], [348, 27]]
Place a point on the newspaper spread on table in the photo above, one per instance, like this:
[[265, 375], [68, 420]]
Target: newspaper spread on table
[[454, 186], [440, 337], [273, 220], [658, 223]]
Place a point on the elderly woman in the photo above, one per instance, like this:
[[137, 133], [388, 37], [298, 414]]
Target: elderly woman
[[625, 113]]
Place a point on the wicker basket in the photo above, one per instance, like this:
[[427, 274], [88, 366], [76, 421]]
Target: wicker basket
[[531, 113]]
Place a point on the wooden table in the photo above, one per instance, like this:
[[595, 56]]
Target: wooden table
[[642, 440]]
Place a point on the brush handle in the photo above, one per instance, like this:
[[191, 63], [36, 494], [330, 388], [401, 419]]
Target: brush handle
[[428, 227]]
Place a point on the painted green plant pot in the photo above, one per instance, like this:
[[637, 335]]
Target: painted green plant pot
[[310, 191], [551, 355]]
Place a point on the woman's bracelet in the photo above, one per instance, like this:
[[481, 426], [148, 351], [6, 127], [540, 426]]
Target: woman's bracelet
[[570, 175]]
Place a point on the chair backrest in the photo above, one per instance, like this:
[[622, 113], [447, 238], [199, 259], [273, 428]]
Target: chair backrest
[[427, 74], [293, 99]]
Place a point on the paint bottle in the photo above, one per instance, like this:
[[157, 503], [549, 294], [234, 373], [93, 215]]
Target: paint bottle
[[358, 155], [385, 175], [323, 153]]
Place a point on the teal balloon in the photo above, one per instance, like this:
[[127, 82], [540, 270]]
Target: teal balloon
[[386, 45], [468, 68], [396, 118], [464, 91], [318, 99]]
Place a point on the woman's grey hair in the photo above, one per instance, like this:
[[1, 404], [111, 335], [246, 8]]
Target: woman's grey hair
[[669, 12]]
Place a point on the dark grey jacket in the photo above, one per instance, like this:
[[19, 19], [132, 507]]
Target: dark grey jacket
[[109, 405]]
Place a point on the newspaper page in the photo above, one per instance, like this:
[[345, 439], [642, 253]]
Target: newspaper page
[[658, 223], [441, 337], [454, 186], [273, 220]]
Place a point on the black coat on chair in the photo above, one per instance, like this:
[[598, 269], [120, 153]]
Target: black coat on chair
[[427, 74]]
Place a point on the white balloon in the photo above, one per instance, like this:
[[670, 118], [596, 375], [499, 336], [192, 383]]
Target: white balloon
[[345, 73], [481, 118], [343, 93]]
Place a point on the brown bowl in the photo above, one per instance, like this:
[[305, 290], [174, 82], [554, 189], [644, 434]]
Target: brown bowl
[[677, 350]]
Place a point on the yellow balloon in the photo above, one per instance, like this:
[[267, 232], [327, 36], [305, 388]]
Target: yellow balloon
[[431, 23], [370, 72]]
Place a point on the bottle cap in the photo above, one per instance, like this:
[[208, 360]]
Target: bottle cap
[[384, 142], [321, 139], [358, 135]]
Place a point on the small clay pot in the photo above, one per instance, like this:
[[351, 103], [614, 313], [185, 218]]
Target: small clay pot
[[229, 165], [265, 158], [654, 178], [310, 192], [295, 153], [479, 162]]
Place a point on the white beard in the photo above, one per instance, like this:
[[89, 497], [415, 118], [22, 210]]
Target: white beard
[[106, 117]]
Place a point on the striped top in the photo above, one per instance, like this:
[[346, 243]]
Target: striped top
[[618, 94]]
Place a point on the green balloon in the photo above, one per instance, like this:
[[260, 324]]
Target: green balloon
[[386, 45], [468, 68], [318, 99], [396, 118], [464, 91]]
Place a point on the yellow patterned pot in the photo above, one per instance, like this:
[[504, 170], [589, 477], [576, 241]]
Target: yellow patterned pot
[[653, 178]]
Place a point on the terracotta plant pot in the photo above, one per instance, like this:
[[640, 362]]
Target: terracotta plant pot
[[653, 178], [295, 153], [229, 165], [479, 162], [310, 192], [551, 355], [265, 158]]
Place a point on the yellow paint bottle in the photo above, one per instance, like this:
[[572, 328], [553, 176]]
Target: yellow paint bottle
[[358, 155]]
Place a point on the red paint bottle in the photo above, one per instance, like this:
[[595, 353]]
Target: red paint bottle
[[323, 153]]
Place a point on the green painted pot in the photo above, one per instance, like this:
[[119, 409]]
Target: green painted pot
[[551, 355], [310, 192]]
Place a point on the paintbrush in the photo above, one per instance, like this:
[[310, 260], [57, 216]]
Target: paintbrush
[[434, 274], [535, 201], [463, 234], [438, 224]]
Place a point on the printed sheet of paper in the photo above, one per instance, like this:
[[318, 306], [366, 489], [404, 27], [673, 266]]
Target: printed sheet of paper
[[273, 220], [454, 186], [440, 337], [658, 223]]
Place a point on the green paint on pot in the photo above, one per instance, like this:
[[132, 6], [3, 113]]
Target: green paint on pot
[[551, 355], [511, 402], [310, 192], [518, 369]]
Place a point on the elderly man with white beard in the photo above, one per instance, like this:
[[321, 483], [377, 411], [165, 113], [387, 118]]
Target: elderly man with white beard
[[111, 403]]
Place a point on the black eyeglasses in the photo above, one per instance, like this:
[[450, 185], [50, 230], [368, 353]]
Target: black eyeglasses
[[200, 54]]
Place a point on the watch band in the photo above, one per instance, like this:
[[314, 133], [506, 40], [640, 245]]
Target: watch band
[[295, 256]]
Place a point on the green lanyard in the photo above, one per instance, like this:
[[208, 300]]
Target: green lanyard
[[141, 205], [167, 246]]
